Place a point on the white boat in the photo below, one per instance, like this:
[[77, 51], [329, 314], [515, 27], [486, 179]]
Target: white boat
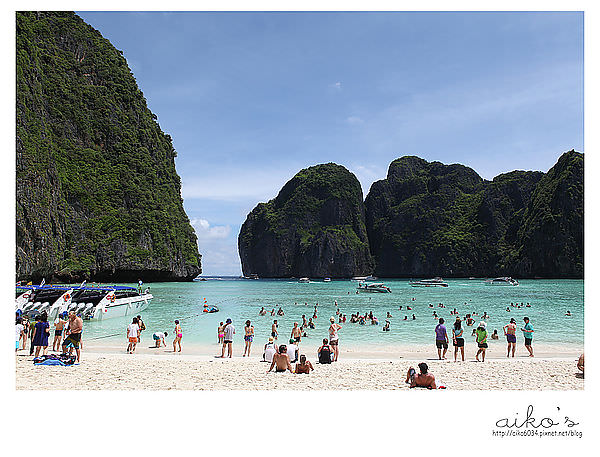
[[502, 281], [91, 302], [304, 280], [327, 280], [434, 282], [251, 276], [373, 287]]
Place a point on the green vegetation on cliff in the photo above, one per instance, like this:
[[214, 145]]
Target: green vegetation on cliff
[[98, 195], [314, 227]]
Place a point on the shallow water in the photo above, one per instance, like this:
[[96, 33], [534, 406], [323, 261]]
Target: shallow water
[[240, 299]]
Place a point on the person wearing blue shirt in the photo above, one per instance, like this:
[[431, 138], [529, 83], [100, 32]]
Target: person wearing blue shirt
[[528, 335]]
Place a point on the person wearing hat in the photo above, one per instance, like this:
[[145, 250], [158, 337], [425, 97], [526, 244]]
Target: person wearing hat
[[510, 331], [292, 351], [270, 350], [228, 338], [528, 335], [481, 339], [334, 338], [457, 339]]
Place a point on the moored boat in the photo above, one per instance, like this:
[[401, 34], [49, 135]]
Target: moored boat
[[91, 302], [434, 282], [373, 287], [304, 280], [502, 281]]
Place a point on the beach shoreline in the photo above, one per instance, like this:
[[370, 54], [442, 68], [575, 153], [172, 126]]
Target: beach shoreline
[[107, 368]]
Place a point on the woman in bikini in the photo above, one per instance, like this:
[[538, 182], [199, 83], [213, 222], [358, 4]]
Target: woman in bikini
[[221, 332], [178, 336], [304, 367], [248, 336]]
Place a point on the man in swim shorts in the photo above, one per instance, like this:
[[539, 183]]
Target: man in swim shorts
[[274, 329], [441, 338], [423, 379], [73, 338], [296, 333], [510, 330], [59, 325], [228, 338], [281, 361]]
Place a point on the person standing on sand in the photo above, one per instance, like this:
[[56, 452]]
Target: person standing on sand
[[40, 334], [178, 336], [59, 325], [510, 331], [334, 338], [458, 340], [481, 340], [528, 335], [141, 326], [274, 330], [73, 337], [228, 339], [248, 337], [441, 339], [133, 334], [220, 333], [19, 332], [31, 332]]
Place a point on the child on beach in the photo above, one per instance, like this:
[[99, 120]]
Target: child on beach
[[178, 336], [220, 333]]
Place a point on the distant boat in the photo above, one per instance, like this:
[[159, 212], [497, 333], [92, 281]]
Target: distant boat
[[359, 278], [373, 287], [502, 281], [327, 280], [251, 276], [434, 282], [304, 280]]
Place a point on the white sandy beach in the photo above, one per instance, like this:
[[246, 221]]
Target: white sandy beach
[[107, 368]]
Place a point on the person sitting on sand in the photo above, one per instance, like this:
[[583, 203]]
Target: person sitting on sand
[[580, 363], [158, 337], [324, 352], [281, 361], [423, 379], [304, 367], [292, 351], [269, 351]]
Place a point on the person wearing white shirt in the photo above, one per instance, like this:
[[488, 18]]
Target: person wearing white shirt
[[292, 351], [133, 332]]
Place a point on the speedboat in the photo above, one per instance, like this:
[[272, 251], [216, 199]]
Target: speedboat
[[327, 280], [502, 281], [92, 302], [251, 276], [373, 287], [434, 282], [304, 280]]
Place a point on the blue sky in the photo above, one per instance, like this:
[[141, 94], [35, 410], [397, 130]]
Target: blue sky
[[251, 98]]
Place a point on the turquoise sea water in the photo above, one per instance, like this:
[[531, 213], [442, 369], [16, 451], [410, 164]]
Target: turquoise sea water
[[240, 299]]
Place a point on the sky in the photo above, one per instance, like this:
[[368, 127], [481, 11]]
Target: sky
[[250, 99]]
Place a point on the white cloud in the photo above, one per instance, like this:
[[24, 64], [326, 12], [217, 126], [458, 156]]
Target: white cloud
[[205, 231], [354, 120]]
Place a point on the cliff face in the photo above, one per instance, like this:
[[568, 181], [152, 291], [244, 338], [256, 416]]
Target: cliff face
[[97, 193], [315, 227], [550, 235], [429, 219]]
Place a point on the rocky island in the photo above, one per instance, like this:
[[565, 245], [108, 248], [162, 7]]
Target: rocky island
[[97, 193]]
